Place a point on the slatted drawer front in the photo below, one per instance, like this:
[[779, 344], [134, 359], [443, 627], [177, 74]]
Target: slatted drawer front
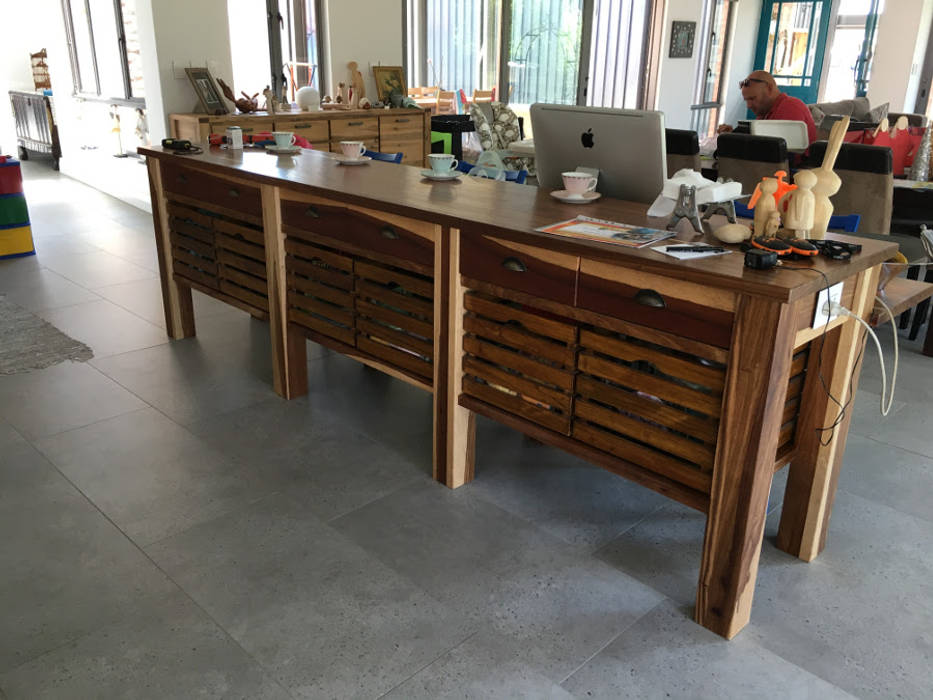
[[242, 257], [798, 373], [395, 316], [649, 403], [519, 360], [194, 255], [320, 289]]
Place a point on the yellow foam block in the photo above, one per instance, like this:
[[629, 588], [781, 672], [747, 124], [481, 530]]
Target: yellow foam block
[[16, 241]]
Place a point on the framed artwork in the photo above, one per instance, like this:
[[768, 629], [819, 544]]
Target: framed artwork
[[389, 78], [682, 34], [206, 90]]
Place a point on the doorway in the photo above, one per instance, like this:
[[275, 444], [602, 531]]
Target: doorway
[[792, 43]]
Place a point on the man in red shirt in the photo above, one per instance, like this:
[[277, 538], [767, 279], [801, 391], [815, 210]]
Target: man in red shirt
[[762, 96]]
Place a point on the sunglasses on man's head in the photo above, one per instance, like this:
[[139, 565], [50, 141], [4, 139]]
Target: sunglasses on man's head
[[748, 81]]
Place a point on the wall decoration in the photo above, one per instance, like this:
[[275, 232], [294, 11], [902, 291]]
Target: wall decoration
[[682, 34], [208, 95], [389, 79]]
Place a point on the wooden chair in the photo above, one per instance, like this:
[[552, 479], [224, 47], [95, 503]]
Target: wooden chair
[[483, 96], [446, 102]]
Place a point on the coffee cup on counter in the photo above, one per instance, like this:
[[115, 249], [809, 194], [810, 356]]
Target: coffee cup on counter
[[442, 163], [578, 183], [353, 149], [283, 139]]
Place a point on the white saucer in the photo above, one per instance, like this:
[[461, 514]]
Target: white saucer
[[343, 160], [583, 198], [282, 150], [440, 177]]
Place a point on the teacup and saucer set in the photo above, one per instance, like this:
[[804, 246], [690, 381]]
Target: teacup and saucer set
[[443, 167], [579, 188], [352, 153], [284, 144]]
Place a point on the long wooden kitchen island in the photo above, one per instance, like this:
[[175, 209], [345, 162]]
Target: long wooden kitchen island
[[696, 379]]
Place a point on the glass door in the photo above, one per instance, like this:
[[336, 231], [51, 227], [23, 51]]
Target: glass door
[[792, 43]]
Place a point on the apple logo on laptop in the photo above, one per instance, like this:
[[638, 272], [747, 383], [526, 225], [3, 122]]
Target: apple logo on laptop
[[586, 138]]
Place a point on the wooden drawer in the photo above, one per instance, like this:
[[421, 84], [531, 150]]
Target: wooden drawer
[[409, 126], [412, 151], [523, 268], [354, 129], [519, 360], [320, 290], [315, 130], [210, 189], [406, 242], [667, 304], [249, 126]]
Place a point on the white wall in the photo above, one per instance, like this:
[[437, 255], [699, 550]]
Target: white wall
[[741, 59], [902, 35], [366, 31], [677, 79]]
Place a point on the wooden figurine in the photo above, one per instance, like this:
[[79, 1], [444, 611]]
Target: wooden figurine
[[270, 100], [773, 224], [245, 104], [827, 181], [799, 216], [358, 90], [341, 94], [763, 203]]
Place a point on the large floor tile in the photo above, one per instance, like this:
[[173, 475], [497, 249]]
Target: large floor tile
[[105, 327], [152, 477], [62, 397], [225, 367], [45, 290], [337, 468], [166, 650], [325, 618], [67, 571], [144, 298], [554, 605], [97, 269], [666, 655], [910, 429], [485, 666], [861, 614]]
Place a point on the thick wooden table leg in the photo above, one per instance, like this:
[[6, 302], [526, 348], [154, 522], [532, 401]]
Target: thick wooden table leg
[[176, 298], [454, 425], [756, 386], [814, 470], [289, 358]]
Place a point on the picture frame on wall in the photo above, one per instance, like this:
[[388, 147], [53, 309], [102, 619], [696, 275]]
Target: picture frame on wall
[[206, 89], [682, 35], [389, 78]]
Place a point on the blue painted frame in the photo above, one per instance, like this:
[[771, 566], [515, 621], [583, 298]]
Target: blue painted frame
[[808, 93]]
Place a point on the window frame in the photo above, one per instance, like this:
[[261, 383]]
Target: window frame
[[709, 110], [79, 89], [276, 54]]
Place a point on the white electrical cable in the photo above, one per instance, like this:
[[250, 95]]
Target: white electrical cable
[[838, 309]]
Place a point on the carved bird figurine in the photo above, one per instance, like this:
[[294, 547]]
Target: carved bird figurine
[[245, 104]]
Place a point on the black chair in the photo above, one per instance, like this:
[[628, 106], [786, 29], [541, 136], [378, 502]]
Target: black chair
[[683, 150], [746, 158]]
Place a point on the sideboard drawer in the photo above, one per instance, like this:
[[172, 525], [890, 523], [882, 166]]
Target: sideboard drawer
[[406, 126], [210, 189], [249, 125], [412, 150], [522, 268], [664, 303], [315, 131], [359, 128], [406, 241]]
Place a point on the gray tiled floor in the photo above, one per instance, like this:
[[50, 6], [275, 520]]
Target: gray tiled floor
[[174, 529]]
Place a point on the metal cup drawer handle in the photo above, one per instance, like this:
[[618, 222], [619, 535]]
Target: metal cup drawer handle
[[302, 126], [182, 179], [354, 123], [514, 264], [402, 121], [389, 232], [312, 212], [649, 297], [233, 192]]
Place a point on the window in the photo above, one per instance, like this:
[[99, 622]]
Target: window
[[714, 42], [295, 44], [103, 45], [853, 47], [559, 51]]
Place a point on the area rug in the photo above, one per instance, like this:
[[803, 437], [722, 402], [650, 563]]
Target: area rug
[[28, 342]]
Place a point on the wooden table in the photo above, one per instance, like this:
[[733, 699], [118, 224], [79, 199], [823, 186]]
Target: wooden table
[[702, 394]]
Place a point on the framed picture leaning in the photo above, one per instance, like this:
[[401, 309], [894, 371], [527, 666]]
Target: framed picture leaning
[[389, 79], [206, 90]]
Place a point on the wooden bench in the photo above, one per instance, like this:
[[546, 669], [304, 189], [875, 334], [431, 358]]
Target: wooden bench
[[901, 294]]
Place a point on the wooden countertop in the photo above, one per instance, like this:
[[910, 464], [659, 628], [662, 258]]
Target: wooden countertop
[[514, 211]]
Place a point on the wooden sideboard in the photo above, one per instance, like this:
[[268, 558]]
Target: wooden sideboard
[[701, 394], [406, 131]]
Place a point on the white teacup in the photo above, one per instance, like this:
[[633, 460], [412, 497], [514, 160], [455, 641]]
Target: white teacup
[[442, 163], [283, 139], [577, 183], [353, 149]]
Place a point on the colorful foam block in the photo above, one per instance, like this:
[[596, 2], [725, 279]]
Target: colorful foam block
[[13, 211], [16, 241], [11, 179]]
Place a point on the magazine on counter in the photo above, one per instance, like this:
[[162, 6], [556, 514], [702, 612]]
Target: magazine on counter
[[591, 229]]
